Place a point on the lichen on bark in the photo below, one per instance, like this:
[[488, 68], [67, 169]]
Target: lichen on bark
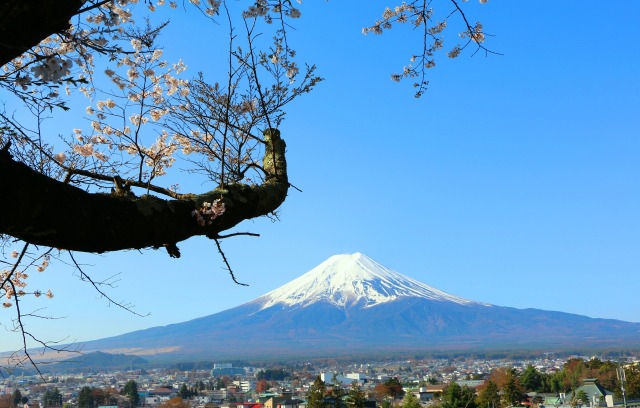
[[44, 211]]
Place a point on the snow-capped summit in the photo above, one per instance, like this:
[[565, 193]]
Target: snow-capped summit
[[351, 305], [345, 280]]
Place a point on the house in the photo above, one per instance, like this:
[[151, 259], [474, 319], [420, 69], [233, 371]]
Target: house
[[233, 389], [217, 395], [273, 402], [163, 392], [546, 399], [430, 391], [421, 394], [360, 378], [248, 405], [290, 403], [469, 383], [245, 385], [597, 394]]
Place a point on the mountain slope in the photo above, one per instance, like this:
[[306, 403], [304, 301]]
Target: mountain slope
[[351, 304]]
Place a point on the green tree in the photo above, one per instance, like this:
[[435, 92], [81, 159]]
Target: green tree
[[554, 382], [632, 384], [17, 397], [581, 398], [356, 398], [184, 392], [316, 394], [57, 397], [455, 396], [337, 392], [272, 374], [489, 396], [530, 379], [85, 398], [511, 393], [131, 392], [53, 398], [410, 401]]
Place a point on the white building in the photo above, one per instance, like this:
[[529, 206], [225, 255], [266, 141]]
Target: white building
[[344, 380], [246, 385]]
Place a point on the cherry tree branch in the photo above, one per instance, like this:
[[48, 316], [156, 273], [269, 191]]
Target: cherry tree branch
[[39, 210]]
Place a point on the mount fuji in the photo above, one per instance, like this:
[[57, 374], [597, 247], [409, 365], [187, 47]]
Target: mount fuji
[[351, 305]]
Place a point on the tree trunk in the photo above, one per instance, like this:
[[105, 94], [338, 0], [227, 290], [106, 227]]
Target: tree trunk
[[24, 23]]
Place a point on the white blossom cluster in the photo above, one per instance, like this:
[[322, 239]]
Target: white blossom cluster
[[144, 116], [272, 10], [208, 212], [420, 15], [13, 282], [148, 91], [144, 82], [476, 33]]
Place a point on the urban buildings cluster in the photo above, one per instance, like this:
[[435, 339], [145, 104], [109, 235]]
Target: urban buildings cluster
[[278, 386]]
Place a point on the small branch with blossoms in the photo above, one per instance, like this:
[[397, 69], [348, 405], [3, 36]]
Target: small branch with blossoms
[[13, 283], [131, 142], [420, 14], [208, 212]]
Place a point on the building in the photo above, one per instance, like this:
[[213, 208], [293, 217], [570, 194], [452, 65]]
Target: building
[[246, 385], [597, 394]]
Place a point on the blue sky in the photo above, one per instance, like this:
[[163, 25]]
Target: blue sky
[[513, 181]]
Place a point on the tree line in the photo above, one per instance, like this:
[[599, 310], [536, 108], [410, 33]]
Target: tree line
[[506, 387], [503, 387]]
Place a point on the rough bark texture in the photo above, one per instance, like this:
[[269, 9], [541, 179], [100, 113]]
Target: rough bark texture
[[24, 23], [44, 211]]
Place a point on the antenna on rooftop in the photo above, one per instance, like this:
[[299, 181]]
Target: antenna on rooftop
[[622, 378]]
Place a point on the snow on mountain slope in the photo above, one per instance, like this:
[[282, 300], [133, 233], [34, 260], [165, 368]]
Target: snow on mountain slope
[[344, 280]]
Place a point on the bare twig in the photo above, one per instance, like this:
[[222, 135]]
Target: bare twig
[[226, 262], [237, 234], [95, 285]]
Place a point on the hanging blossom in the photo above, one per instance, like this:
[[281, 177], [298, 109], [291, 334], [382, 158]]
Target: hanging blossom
[[14, 281], [52, 69], [43, 266], [208, 212]]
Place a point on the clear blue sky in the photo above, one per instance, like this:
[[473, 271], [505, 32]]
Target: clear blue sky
[[513, 181]]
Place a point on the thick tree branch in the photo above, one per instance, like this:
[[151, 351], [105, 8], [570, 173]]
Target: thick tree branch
[[43, 211], [24, 23]]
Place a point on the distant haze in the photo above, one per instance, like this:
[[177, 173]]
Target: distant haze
[[351, 305]]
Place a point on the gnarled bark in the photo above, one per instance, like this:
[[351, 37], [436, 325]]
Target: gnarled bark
[[43, 211], [24, 23]]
